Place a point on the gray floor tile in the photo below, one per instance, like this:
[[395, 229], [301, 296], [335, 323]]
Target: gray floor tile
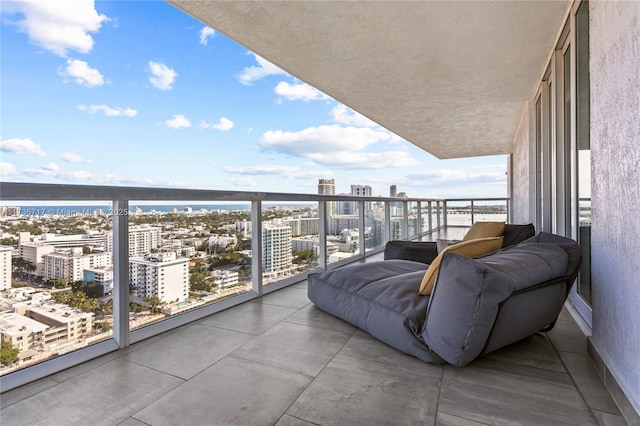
[[193, 349], [252, 318], [23, 392], [290, 297], [502, 398], [294, 347], [288, 420], [132, 422], [231, 392], [310, 315], [567, 336], [589, 384], [365, 346], [608, 419], [535, 351], [107, 395], [355, 391], [445, 419]]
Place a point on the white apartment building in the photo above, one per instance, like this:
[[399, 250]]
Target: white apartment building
[[224, 279], [69, 265], [66, 324], [34, 253], [304, 225], [243, 227], [101, 275], [276, 249], [142, 239], [337, 223], [21, 332], [90, 238], [5, 267], [162, 274], [19, 300]]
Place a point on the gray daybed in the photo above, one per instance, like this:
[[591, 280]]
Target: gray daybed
[[477, 305]]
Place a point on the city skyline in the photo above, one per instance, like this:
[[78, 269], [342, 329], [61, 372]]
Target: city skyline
[[141, 94]]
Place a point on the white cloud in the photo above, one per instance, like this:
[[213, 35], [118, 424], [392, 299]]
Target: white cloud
[[108, 111], [289, 172], [7, 169], [327, 139], [22, 146], [82, 73], [223, 125], [205, 34], [336, 146], [263, 69], [76, 175], [178, 121], [51, 167], [342, 114], [299, 92], [162, 77], [57, 26], [484, 175], [243, 182], [70, 157]]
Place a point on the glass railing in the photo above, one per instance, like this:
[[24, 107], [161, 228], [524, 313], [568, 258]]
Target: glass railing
[[98, 268], [466, 212]]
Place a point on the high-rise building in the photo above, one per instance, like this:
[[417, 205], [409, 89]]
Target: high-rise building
[[359, 191], [276, 249], [160, 274], [5, 267], [328, 187], [393, 190]]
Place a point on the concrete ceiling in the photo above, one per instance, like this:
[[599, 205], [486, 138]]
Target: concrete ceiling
[[451, 77]]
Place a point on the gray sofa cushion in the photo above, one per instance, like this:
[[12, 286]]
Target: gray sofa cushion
[[380, 298], [468, 292]]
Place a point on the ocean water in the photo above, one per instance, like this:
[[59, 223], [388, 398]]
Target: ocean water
[[77, 210]]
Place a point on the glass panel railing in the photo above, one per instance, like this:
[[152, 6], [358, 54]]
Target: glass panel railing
[[343, 232], [458, 213], [56, 297], [185, 255], [398, 230], [426, 218], [290, 240], [375, 227], [489, 211], [413, 220]]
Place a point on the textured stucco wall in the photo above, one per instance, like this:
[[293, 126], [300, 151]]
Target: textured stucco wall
[[615, 152], [522, 191]]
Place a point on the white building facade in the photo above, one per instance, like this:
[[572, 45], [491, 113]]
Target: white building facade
[[162, 275]]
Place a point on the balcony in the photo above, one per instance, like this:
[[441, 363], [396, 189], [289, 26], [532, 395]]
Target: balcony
[[279, 360], [266, 355]]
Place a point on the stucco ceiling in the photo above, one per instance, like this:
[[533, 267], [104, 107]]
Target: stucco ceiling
[[451, 77]]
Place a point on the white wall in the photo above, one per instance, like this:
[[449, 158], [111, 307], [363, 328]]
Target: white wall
[[615, 152]]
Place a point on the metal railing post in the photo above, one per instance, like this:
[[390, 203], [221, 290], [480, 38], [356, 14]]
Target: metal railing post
[[256, 246], [121, 290], [322, 234], [361, 230], [472, 213], [387, 222]]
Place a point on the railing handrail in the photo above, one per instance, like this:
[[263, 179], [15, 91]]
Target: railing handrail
[[21, 191]]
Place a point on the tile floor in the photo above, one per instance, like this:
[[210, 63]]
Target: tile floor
[[281, 361]]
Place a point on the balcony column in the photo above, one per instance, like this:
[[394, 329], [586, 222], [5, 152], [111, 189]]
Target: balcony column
[[121, 290]]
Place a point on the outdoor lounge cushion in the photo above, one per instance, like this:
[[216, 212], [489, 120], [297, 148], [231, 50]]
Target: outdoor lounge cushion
[[470, 291], [484, 230], [379, 297], [472, 248], [476, 306]]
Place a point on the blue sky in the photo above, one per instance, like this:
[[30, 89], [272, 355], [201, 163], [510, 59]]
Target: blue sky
[[138, 93]]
